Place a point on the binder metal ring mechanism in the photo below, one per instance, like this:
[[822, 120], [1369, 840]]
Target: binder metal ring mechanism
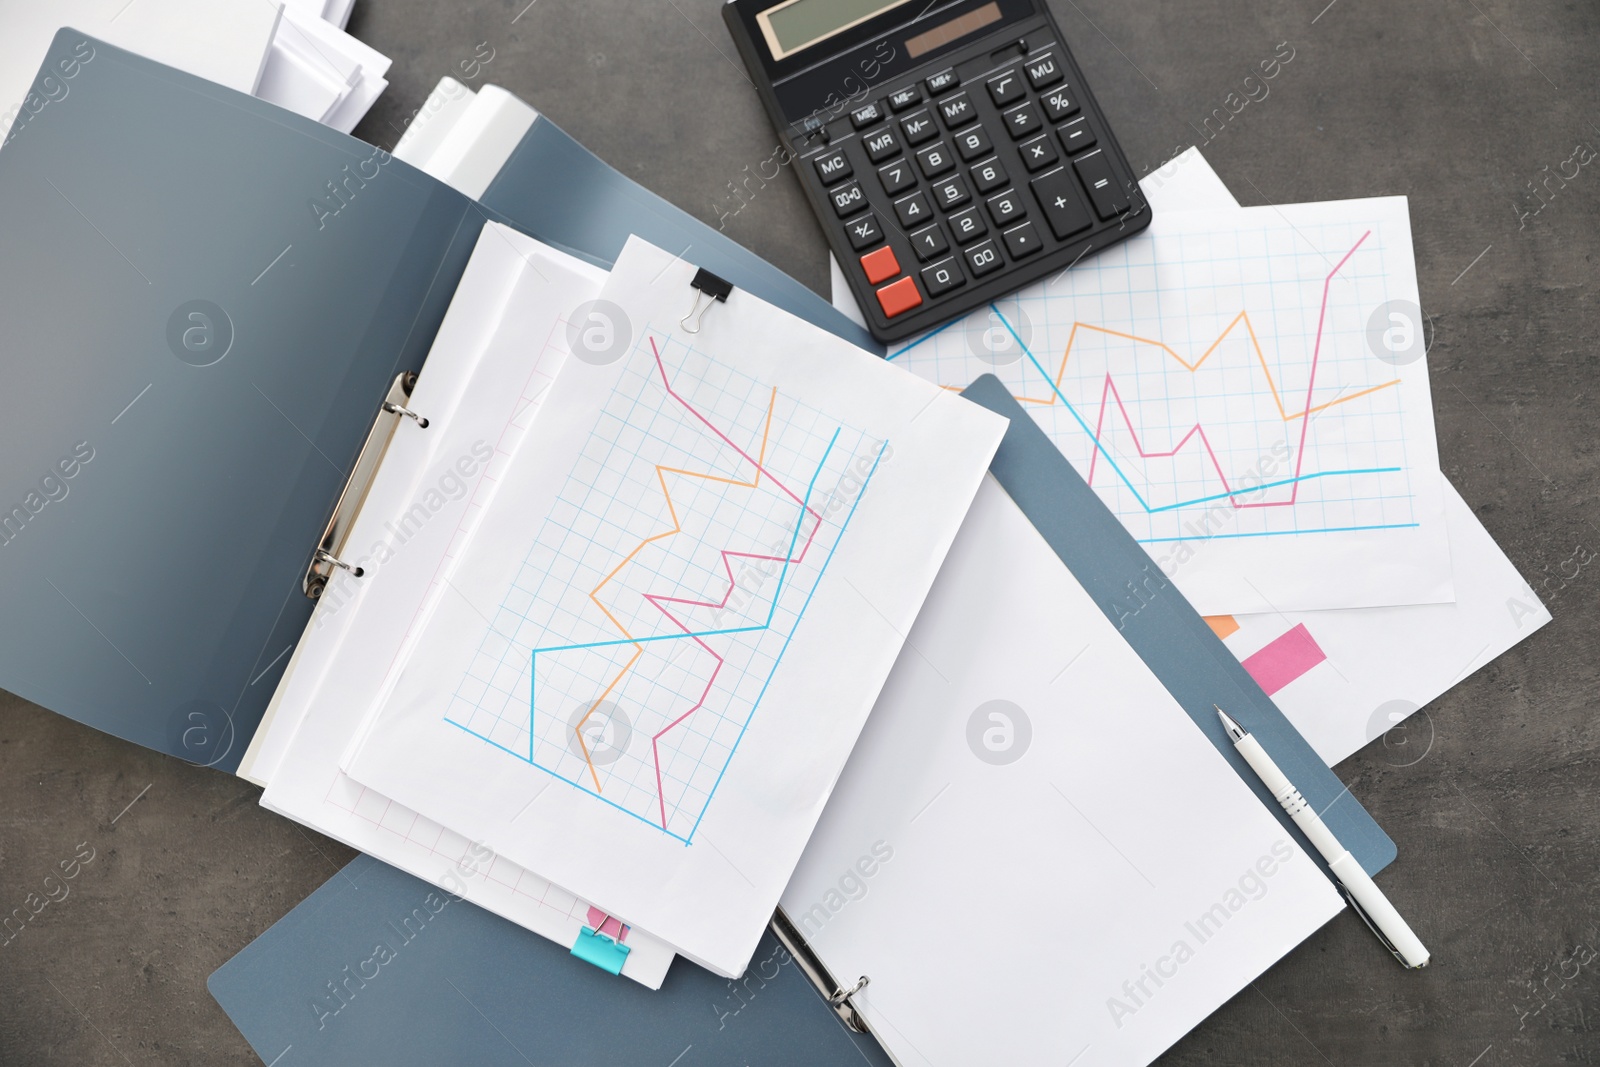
[[817, 973], [326, 558]]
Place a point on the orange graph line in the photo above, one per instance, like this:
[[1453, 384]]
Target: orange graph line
[[1244, 317], [677, 527]]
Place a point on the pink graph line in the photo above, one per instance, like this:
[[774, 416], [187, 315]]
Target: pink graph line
[[659, 601], [1110, 388]]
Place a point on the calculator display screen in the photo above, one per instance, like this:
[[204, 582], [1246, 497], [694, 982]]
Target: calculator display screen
[[939, 36], [797, 24]]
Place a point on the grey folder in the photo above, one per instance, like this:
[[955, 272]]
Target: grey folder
[[205, 300], [1163, 628], [378, 967]]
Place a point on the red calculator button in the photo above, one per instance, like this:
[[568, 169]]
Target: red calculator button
[[880, 265], [899, 297]]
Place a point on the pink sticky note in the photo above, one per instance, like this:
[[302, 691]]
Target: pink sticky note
[[612, 928], [1285, 659]]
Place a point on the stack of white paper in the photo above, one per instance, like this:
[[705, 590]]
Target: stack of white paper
[[318, 70]]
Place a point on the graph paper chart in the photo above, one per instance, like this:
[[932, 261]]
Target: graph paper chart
[[657, 599], [1221, 380]]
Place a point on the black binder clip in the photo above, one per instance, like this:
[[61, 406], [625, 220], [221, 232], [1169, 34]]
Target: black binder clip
[[709, 289]]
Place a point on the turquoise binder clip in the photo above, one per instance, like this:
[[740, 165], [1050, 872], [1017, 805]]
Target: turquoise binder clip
[[604, 952]]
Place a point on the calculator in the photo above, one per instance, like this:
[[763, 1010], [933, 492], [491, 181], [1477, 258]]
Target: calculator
[[951, 149]]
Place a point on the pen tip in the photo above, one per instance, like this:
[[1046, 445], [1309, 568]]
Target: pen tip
[[1235, 731]]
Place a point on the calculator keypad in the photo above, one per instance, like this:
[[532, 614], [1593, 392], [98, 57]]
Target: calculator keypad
[[953, 202]]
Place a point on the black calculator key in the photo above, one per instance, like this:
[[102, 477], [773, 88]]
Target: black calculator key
[[901, 99], [967, 225], [988, 176], [950, 193], [913, 210], [1022, 120], [1104, 190], [1044, 71], [943, 81], [957, 110], [973, 143], [919, 127], [1006, 88], [929, 242], [1005, 207], [864, 232], [1061, 203], [936, 159], [1076, 135], [897, 176], [881, 145], [862, 117], [1058, 104], [848, 199], [1038, 153], [942, 277], [833, 167], [983, 258], [1022, 240]]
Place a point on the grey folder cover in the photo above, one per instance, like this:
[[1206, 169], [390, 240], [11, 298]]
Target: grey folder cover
[[205, 298], [1163, 628], [377, 968]]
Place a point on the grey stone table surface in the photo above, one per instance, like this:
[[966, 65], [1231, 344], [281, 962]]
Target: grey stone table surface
[[1468, 107]]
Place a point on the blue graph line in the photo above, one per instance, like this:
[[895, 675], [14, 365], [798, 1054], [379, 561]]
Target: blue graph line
[[771, 613], [757, 703], [1101, 448], [1280, 533]]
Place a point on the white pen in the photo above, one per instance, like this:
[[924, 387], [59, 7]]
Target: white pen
[[1364, 894]]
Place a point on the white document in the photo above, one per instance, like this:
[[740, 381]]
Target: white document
[[1034, 854], [1247, 391], [501, 343], [1383, 664], [225, 41], [427, 129], [670, 625], [319, 71]]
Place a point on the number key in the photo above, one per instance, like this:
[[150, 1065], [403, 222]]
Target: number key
[[967, 225], [951, 193], [913, 210], [973, 143], [935, 160], [983, 258], [929, 242], [1022, 120], [897, 176], [942, 277], [1005, 207], [988, 176], [848, 199]]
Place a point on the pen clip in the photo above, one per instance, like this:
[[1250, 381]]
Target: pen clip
[[1356, 907]]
